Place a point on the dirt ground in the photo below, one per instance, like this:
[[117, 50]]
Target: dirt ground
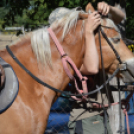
[[6, 39]]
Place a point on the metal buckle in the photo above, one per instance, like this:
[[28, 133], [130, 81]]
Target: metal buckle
[[123, 66]]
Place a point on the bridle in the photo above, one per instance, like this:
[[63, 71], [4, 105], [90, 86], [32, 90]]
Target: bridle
[[62, 56], [57, 90], [122, 67], [104, 76]]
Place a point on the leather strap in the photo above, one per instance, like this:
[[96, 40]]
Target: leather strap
[[52, 88]]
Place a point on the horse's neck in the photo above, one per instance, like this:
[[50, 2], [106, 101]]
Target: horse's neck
[[55, 76], [23, 51], [28, 87]]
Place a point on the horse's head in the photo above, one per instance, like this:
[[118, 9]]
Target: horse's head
[[69, 28], [110, 60]]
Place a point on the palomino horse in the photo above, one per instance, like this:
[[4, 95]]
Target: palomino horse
[[37, 52]]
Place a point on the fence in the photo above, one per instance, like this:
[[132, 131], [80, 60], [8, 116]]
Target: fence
[[16, 29], [59, 117]]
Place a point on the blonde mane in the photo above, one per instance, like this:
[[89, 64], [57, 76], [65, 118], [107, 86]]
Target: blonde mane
[[40, 38]]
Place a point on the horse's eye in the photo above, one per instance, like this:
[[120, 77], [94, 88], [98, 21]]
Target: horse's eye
[[115, 40]]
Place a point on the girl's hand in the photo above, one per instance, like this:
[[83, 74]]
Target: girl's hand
[[93, 21], [103, 8]]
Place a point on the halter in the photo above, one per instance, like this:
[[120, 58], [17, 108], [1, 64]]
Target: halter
[[123, 67]]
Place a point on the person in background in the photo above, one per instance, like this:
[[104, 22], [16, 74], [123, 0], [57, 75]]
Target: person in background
[[85, 119], [120, 5]]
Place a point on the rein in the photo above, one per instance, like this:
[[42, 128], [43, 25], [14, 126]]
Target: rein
[[123, 67], [63, 55], [52, 88]]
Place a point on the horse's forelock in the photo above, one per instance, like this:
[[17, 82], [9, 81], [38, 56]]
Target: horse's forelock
[[67, 22]]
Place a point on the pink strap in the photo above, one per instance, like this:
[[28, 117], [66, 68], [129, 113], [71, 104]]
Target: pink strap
[[127, 121], [124, 110], [65, 60], [60, 49]]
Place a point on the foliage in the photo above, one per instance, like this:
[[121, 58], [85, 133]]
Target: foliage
[[130, 19], [34, 13], [1, 23], [131, 47]]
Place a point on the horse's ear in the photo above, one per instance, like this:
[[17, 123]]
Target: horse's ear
[[89, 8], [83, 16]]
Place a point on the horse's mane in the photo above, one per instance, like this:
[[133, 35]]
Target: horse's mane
[[67, 22], [40, 38]]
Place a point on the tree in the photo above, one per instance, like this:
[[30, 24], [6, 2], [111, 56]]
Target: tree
[[130, 19], [34, 13], [11, 9]]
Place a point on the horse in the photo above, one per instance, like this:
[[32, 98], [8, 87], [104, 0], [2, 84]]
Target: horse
[[29, 113]]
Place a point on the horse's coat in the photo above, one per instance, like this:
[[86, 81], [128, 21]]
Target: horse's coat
[[30, 111]]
